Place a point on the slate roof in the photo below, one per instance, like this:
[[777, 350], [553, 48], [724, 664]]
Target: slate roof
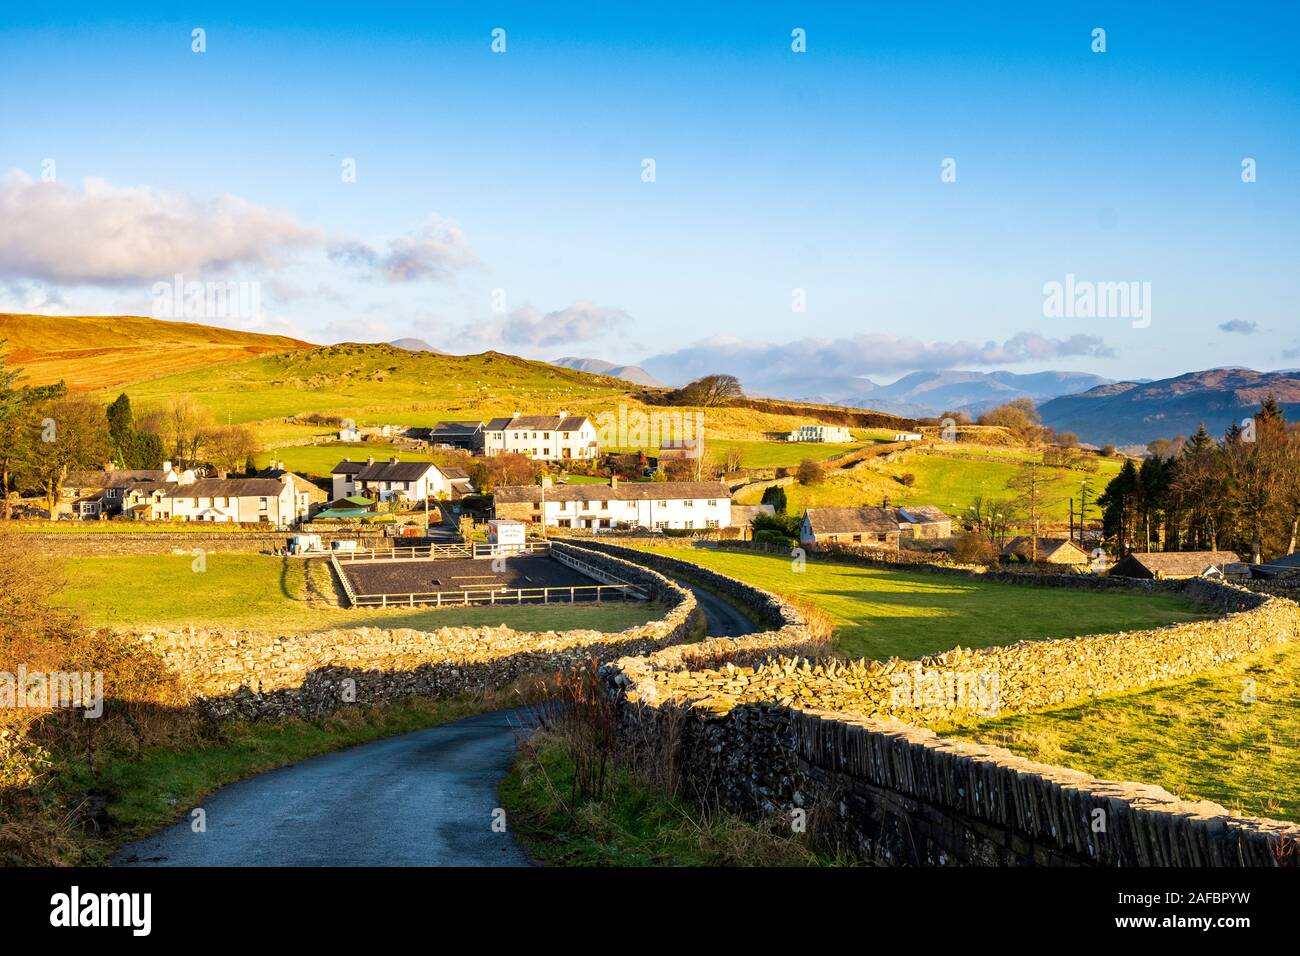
[[868, 518], [1181, 563], [923, 514], [395, 471], [540, 423], [1020, 547], [227, 488], [626, 491]]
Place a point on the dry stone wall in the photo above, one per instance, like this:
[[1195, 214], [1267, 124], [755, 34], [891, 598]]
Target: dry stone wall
[[250, 674], [789, 732]]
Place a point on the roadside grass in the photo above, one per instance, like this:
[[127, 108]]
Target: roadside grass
[[127, 795], [880, 612], [634, 823], [1231, 736], [291, 596]]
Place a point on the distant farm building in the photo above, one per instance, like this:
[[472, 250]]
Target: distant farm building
[[924, 522], [1049, 551], [1173, 565], [908, 436], [820, 433], [466, 435]]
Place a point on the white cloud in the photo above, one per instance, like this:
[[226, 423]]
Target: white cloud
[[106, 235], [758, 362], [528, 326], [103, 234]]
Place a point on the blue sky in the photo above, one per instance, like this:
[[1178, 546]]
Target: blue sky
[[774, 171]]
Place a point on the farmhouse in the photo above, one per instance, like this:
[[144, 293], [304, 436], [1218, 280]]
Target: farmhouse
[[1050, 551], [308, 498], [908, 436], [866, 527], [687, 505], [103, 493], [543, 437], [924, 522], [388, 480], [242, 500], [1172, 565], [820, 433]]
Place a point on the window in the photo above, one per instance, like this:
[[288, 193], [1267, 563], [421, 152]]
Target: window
[[663, 504], [688, 503], [566, 436], [661, 525], [262, 504], [857, 538], [546, 436], [604, 506], [711, 523], [688, 524], [537, 506], [713, 502]]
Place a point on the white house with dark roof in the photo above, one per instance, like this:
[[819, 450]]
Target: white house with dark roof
[[561, 437], [662, 505], [388, 480]]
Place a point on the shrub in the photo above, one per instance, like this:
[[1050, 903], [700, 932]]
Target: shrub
[[907, 479], [809, 473]]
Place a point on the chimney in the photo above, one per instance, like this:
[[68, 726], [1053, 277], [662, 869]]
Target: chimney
[[167, 466], [546, 482], [393, 460], [613, 481], [347, 459], [514, 414], [564, 413], [370, 460]]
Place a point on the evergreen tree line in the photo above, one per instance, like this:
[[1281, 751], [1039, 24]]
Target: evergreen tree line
[[1239, 493]]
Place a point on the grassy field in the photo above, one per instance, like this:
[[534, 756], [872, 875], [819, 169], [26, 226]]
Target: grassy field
[[1231, 736], [882, 612], [317, 460], [260, 592], [777, 454], [947, 480]]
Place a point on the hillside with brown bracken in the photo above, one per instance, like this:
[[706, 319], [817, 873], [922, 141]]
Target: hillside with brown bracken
[[105, 351]]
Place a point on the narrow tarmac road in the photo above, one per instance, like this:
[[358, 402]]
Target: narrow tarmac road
[[420, 799]]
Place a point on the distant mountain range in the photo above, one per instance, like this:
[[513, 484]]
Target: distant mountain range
[[415, 345], [927, 394], [1135, 413], [630, 373]]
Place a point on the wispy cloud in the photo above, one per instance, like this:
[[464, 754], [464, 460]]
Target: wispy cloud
[[1239, 327], [436, 251], [527, 326]]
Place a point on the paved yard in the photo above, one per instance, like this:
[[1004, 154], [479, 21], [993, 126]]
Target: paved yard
[[457, 575]]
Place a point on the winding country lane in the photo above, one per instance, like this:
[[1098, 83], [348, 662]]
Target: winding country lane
[[420, 799]]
